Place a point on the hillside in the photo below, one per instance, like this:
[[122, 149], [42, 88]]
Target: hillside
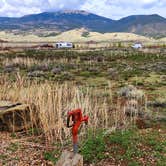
[[163, 39], [76, 35], [149, 25]]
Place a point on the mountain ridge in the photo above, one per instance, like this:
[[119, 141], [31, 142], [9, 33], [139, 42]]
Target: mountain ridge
[[61, 21]]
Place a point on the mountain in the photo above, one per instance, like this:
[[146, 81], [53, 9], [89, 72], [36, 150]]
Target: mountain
[[149, 25], [61, 21]]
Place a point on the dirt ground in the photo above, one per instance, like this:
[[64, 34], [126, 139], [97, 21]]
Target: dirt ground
[[20, 151]]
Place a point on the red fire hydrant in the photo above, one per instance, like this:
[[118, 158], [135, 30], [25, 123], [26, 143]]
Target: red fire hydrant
[[77, 119]]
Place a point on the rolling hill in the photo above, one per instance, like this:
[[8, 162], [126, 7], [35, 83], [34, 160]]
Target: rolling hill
[[75, 35]]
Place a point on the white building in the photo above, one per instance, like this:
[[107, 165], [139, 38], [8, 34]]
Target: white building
[[137, 45], [63, 45]]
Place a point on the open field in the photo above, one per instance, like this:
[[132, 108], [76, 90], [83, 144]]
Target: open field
[[81, 39], [122, 90]]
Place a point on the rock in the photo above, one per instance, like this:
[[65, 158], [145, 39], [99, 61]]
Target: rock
[[36, 73], [14, 116], [70, 159]]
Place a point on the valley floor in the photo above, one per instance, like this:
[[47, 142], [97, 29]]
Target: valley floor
[[20, 151]]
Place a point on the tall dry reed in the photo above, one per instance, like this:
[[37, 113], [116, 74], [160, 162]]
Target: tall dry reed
[[52, 102]]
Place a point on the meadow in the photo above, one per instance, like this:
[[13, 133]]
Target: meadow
[[122, 90]]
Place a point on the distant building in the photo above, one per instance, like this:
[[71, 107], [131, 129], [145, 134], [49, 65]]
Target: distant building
[[64, 45], [137, 45]]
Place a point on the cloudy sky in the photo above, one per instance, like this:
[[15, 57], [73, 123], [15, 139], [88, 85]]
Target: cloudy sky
[[114, 9]]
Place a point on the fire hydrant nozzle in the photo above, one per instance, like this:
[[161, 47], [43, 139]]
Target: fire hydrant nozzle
[[77, 119]]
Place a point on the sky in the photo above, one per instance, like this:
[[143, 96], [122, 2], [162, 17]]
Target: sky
[[114, 9]]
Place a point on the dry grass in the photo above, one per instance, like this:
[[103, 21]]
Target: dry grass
[[28, 62], [74, 35], [52, 102]]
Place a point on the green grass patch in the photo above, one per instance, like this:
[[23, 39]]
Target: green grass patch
[[52, 156], [94, 147], [126, 146], [13, 147]]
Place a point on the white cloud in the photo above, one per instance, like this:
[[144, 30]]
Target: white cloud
[[120, 8], [22, 7], [17, 8], [109, 8]]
